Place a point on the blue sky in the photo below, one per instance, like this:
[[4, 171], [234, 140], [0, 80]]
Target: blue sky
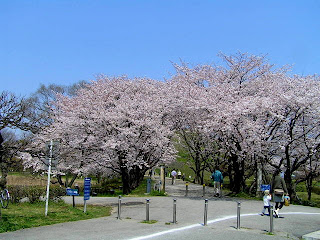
[[65, 41]]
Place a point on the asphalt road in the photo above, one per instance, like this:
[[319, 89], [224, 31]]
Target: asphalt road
[[295, 221]]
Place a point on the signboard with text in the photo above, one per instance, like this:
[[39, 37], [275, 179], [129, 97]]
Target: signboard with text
[[72, 192], [265, 187], [87, 188]]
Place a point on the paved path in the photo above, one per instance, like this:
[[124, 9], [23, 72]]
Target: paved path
[[222, 221]]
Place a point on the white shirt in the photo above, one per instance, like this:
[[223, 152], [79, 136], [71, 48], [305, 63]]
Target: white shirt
[[266, 200]]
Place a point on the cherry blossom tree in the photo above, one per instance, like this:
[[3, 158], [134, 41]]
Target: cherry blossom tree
[[295, 137], [115, 124], [187, 98], [232, 108], [250, 109], [244, 114], [200, 148]]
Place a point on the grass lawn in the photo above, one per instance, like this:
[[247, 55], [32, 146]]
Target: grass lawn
[[26, 215]]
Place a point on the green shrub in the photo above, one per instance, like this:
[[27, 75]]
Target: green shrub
[[16, 193], [301, 187], [56, 193], [316, 190], [310, 203], [34, 193], [107, 187]]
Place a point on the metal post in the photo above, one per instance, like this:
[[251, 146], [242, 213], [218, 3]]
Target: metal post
[[119, 207], [203, 190], [73, 202], [238, 215], [85, 206], [49, 172], [147, 209], [205, 212], [174, 211], [187, 185], [271, 218]]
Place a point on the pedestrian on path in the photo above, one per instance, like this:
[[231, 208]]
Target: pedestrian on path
[[279, 189], [217, 182], [266, 202], [179, 174], [173, 176]]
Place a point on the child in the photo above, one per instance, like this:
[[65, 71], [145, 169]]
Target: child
[[266, 202], [287, 200]]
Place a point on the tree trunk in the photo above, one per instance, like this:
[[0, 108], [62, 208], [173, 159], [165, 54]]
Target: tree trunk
[[202, 177], [131, 179], [290, 185], [4, 169], [198, 168], [60, 180], [238, 174], [288, 175], [230, 173], [74, 177], [309, 186], [259, 179], [67, 183]]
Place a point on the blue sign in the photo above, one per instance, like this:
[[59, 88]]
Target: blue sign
[[87, 188], [265, 187], [72, 192]]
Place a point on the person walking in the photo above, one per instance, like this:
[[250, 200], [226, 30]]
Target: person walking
[[266, 202], [173, 176], [179, 174], [279, 189], [217, 182]]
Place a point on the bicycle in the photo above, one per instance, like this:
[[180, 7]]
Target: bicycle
[[4, 198]]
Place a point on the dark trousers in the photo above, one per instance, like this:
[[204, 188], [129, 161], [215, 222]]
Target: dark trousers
[[279, 206], [264, 209]]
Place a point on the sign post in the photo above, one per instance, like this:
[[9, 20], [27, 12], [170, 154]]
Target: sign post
[[49, 164], [49, 172], [72, 192], [86, 195]]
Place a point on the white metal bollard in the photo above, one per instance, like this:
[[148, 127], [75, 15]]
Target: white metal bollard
[[271, 218], [174, 211], [238, 215], [205, 212], [147, 209], [119, 207]]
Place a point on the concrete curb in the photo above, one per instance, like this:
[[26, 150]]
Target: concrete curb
[[312, 236]]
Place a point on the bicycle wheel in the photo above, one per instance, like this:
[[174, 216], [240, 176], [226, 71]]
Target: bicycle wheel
[[5, 198]]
